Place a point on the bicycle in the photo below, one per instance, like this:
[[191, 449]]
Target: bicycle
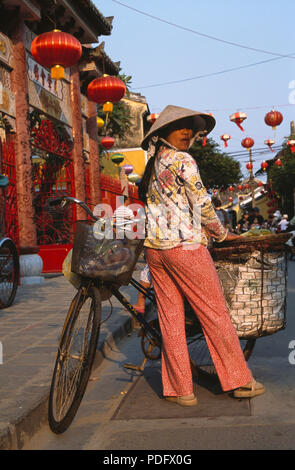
[[9, 259], [79, 338]]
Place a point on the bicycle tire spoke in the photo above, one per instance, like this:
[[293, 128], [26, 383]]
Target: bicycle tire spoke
[[72, 357]]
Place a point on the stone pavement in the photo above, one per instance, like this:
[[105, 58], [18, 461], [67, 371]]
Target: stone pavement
[[29, 333]]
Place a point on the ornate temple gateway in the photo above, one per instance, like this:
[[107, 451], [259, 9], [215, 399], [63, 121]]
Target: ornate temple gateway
[[48, 128]]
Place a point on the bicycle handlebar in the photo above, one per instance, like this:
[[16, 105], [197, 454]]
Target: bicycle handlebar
[[62, 201]]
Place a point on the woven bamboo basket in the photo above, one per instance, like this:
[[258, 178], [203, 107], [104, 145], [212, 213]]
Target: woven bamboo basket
[[253, 276]]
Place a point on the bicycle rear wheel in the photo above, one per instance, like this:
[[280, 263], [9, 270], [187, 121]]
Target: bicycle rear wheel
[[200, 356], [9, 273], [75, 357], [198, 350]]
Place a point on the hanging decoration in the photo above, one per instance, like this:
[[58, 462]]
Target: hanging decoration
[[152, 118], [117, 158], [248, 142], [273, 118], [107, 142], [264, 165], [230, 199], [240, 187], [225, 138], [269, 143], [56, 50], [238, 118], [249, 166], [278, 163], [99, 122], [128, 169], [291, 144], [133, 177], [231, 188], [106, 89]]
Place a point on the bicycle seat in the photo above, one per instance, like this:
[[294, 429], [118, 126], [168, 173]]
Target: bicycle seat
[[4, 181]]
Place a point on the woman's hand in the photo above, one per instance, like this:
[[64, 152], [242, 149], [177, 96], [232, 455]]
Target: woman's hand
[[231, 236]]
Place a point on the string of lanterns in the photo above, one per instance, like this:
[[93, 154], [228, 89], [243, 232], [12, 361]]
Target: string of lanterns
[[58, 50]]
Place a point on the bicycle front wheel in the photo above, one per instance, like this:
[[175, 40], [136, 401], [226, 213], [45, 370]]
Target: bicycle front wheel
[[9, 273], [75, 357]]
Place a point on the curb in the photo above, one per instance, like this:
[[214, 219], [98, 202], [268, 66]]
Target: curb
[[23, 428]]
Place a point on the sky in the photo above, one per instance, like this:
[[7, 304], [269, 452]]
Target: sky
[[178, 49]]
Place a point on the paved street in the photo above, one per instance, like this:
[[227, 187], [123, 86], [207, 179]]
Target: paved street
[[29, 332], [124, 411]]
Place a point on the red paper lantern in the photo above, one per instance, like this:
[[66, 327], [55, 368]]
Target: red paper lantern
[[225, 138], [259, 183], [273, 118], [230, 199], [240, 187], [278, 163], [247, 186], [107, 142], [291, 144], [56, 50], [231, 188], [269, 142], [249, 166], [264, 165], [204, 142], [238, 118], [106, 89], [248, 142]]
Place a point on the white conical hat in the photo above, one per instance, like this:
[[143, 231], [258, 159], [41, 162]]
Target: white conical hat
[[203, 122]]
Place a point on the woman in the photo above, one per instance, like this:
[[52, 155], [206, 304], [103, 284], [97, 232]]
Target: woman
[[179, 262]]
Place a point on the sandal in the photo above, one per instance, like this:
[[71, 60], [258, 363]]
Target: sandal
[[186, 400], [250, 390]]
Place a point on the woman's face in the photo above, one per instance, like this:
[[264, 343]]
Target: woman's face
[[180, 133]]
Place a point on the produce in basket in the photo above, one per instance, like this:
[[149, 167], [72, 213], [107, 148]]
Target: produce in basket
[[255, 232]]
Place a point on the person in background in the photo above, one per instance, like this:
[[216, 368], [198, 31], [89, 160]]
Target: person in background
[[255, 217], [276, 218], [146, 282], [283, 224], [123, 212], [221, 213], [243, 224]]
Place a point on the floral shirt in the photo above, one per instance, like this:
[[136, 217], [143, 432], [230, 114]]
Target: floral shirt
[[178, 208]]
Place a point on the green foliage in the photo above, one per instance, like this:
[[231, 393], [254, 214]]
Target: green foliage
[[216, 168]]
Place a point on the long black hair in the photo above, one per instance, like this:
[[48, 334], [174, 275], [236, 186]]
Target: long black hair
[[144, 183]]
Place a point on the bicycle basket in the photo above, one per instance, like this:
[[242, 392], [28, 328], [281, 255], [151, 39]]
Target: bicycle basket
[[105, 259]]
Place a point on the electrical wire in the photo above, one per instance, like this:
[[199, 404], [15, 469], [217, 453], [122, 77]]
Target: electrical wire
[[212, 74], [231, 43]]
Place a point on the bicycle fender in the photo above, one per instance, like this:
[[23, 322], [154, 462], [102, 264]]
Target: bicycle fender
[[6, 239]]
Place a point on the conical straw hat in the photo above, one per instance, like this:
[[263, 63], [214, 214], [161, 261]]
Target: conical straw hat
[[203, 122]]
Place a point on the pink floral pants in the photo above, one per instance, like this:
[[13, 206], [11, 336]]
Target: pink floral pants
[[178, 273]]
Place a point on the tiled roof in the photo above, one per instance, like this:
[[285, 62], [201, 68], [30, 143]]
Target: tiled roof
[[93, 16]]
